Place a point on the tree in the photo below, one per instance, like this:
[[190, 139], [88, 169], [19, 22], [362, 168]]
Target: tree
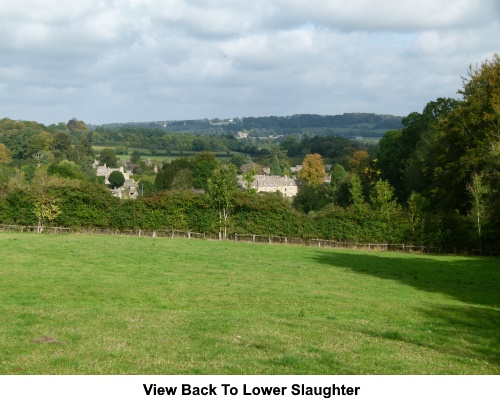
[[479, 192], [165, 177], [361, 165], [277, 160], [248, 178], [66, 169], [201, 144], [107, 157], [61, 145], [76, 125], [313, 198], [222, 188], [5, 156], [116, 179], [291, 145], [135, 156], [360, 160], [239, 159], [121, 150], [41, 142], [313, 172], [406, 157], [338, 175], [203, 167], [382, 199], [356, 197], [390, 158], [465, 136], [146, 187], [40, 182], [275, 167], [82, 150], [45, 209], [183, 180], [417, 207]]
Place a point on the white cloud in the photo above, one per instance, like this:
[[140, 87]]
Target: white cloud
[[138, 60], [399, 15]]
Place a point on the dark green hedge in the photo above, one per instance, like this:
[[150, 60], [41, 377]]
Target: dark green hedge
[[86, 205]]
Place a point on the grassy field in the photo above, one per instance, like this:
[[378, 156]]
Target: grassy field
[[161, 155], [88, 304]]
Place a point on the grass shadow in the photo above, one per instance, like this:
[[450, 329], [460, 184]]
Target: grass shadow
[[469, 331], [470, 334], [469, 280]]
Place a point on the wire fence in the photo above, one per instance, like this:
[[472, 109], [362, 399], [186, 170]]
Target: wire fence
[[491, 253], [251, 238]]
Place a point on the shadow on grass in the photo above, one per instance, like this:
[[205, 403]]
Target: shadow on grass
[[470, 280], [471, 331]]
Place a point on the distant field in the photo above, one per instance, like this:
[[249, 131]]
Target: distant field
[[89, 304], [162, 155]]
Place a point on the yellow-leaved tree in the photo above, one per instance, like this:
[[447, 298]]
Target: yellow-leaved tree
[[5, 156], [313, 172]]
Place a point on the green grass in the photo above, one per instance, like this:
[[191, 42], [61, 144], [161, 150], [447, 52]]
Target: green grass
[[161, 155], [83, 304]]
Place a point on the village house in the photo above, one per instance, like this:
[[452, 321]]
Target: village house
[[270, 184], [129, 188]]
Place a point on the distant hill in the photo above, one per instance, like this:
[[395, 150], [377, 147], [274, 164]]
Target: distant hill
[[348, 125]]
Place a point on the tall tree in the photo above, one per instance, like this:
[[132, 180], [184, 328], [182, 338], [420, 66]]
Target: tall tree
[[382, 199], [204, 165], [417, 208], [61, 146], [356, 197], [465, 136], [107, 157], [338, 175], [76, 125], [479, 192], [135, 156], [222, 188], [313, 171], [277, 160], [406, 157]]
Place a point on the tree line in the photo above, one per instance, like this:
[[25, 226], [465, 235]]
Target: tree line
[[435, 181], [351, 124], [442, 168]]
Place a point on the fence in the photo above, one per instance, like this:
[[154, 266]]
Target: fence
[[35, 229], [250, 238], [485, 253], [326, 243]]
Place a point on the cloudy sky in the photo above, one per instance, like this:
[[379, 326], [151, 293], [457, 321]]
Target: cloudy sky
[[107, 61]]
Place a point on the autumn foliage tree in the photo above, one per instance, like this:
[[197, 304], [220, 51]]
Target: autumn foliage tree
[[5, 156], [313, 172], [46, 209]]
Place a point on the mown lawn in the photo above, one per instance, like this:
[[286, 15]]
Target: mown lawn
[[88, 304]]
